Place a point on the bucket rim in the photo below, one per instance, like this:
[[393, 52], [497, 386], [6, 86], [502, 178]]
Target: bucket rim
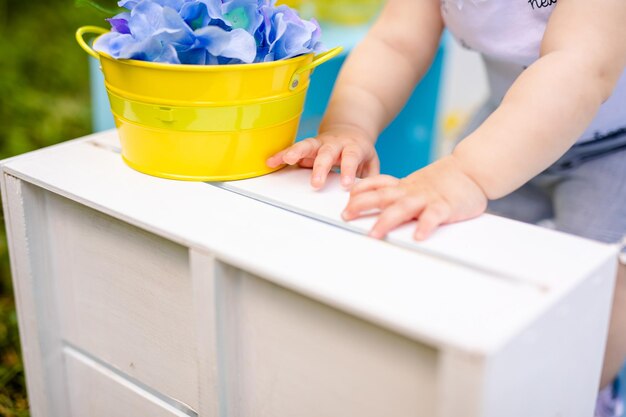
[[204, 68]]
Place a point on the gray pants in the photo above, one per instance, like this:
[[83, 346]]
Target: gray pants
[[584, 192]]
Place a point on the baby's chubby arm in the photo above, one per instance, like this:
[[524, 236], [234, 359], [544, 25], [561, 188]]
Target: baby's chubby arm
[[375, 82], [542, 115], [551, 104]]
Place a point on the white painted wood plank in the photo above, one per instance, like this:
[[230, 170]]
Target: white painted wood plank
[[460, 384], [506, 247], [13, 206], [472, 310], [509, 248], [96, 391], [211, 401], [291, 356], [552, 368], [36, 296], [126, 297], [557, 360], [273, 243]]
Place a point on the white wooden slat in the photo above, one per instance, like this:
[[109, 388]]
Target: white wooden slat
[[461, 384], [509, 248], [557, 360], [210, 387], [286, 355], [36, 296], [126, 297], [225, 224], [475, 311], [13, 206], [552, 368], [96, 391]]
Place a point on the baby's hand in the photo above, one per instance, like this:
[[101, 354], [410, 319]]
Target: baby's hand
[[437, 194], [346, 147]]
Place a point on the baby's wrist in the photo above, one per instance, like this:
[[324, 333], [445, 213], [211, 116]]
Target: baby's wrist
[[348, 129], [459, 164]]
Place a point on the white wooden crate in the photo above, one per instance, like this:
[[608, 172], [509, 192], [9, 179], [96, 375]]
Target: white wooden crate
[[139, 296]]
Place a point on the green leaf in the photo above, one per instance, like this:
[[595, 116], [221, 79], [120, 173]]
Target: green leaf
[[99, 7]]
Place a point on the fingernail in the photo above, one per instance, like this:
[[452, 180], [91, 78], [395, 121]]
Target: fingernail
[[346, 215], [346, 181]]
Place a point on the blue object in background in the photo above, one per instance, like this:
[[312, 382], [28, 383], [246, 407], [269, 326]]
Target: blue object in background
[[101, 116], [405, 146], [409, 141]]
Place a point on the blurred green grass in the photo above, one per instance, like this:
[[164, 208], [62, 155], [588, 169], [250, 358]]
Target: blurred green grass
[[44, 99]]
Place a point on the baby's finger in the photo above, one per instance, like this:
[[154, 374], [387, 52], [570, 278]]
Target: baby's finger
[[306, 163], [397, 214], [374, 183], [324, 161], [378, 199], [277, 159], [371, 168], [305, 148], [351, 158], [432, 217], [359, 171]]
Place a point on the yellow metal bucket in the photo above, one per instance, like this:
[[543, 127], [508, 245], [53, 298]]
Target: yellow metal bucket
[[204, 123]]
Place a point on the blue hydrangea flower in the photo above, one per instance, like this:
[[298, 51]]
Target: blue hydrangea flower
[[208, 32], [286, 35], [243, 14], [119, 23], [202, 13]]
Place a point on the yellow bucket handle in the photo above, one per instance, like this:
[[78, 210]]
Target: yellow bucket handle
[[81, 32], [317, 60]]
